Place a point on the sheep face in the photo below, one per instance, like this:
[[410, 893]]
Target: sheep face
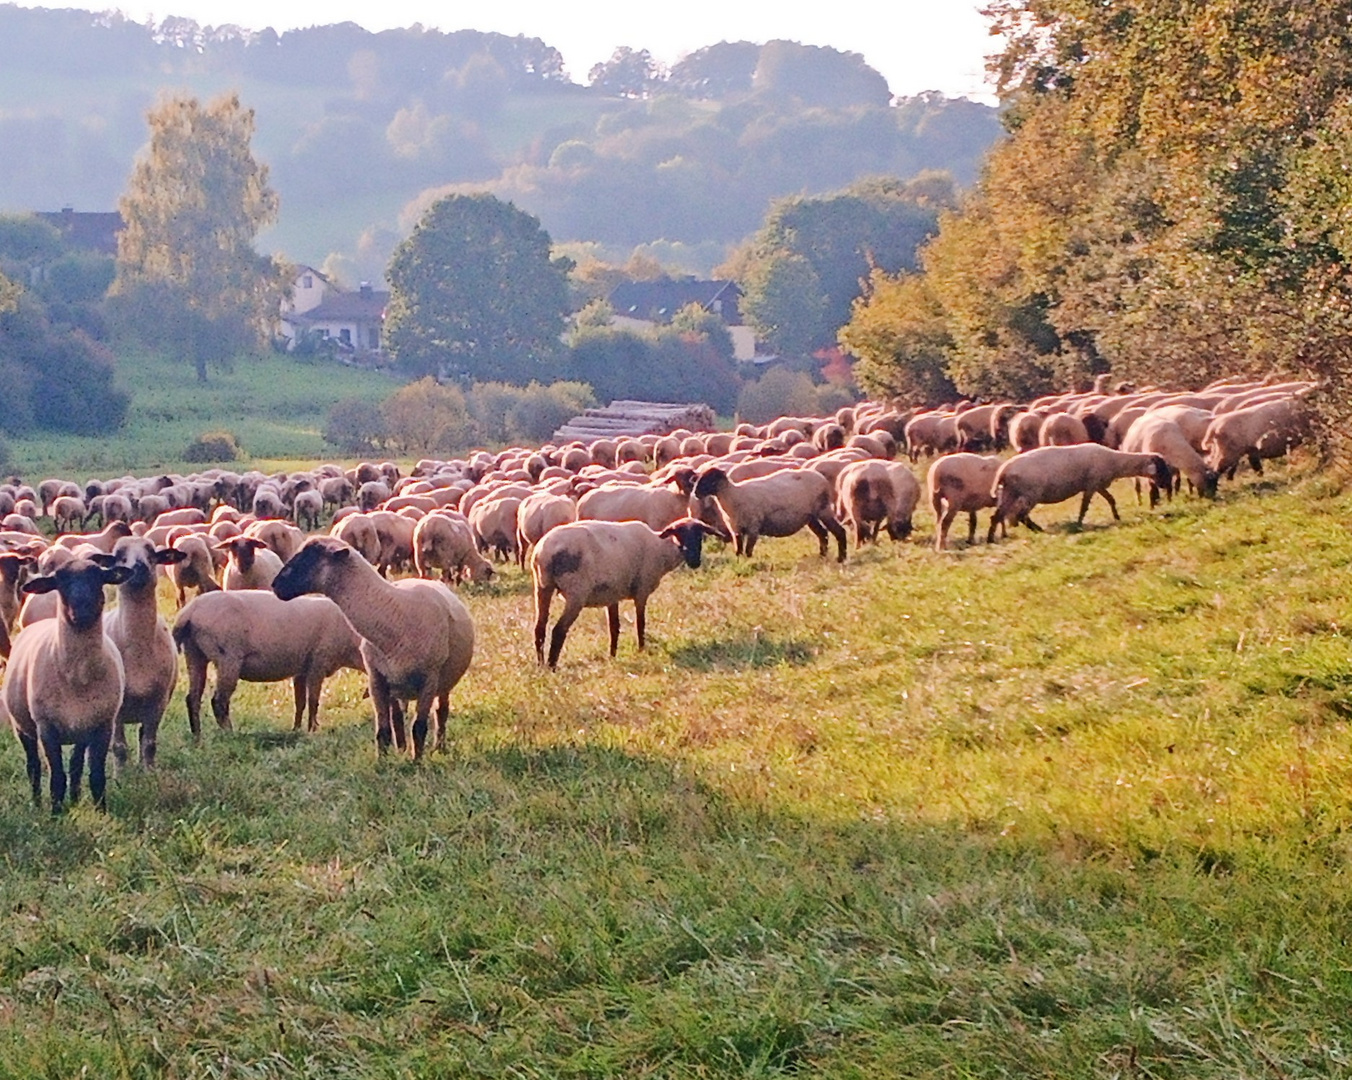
[[711, 482], [308, 570], [689, 535], [80, 585], [140, 558], [1210, 479], [244, 549], [1160, 471]]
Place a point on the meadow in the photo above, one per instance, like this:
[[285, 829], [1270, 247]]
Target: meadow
[[1073, 805]]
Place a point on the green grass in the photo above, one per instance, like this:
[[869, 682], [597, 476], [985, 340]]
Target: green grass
[[1076, 805], [275, 405]]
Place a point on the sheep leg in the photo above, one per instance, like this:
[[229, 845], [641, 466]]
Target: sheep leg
[[641, 620], [298, 693], [571, 610], [119, 744], [443, 715], [313, 686], [34, 763], [971, 527], [823, 537], [51, 750], [997, 518], [837, 530], [1112, 504], [420, 719], [380, 699], [197, 685], [397, 724], [1255, 462], [227, 678], [1084, 506], [613, 622], [544, 595], [98, 762], [148, 742], [1025, 520]]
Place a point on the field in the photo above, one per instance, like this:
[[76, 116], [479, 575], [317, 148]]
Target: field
[[1077, 805], [275, 406]]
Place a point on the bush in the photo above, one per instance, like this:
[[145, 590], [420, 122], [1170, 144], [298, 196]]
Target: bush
[[539, 411], [426, 418], [664, 364], [213, 446], [355, 426], [779, 392]]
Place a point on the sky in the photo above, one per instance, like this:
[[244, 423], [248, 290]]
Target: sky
[[918, 45]]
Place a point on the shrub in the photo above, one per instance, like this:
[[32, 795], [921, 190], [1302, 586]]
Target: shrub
[[213, 446], [539, 411], [355, 426], [779, 392], [426, 417]]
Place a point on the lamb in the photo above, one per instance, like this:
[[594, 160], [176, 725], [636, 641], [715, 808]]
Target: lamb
[[445, 542], [252, 563], [960, 483], [418, 638], [600, 563], [149, 663], [776, 505], [64, 682], [871, 492], [1050, 474], [256, 637]]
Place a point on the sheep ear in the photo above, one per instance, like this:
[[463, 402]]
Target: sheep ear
[[34, 586], [116, 575], [164, 556], [103, 560]]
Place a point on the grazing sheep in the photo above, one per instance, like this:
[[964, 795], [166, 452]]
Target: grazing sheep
[[307, 508], [252, 563], [1062, 429], [68, 512], [1265, 430], [418, 638], [536, 515], [600, 563], [64, 682], [358, 530], [931, 433], [281, 537], [1156, 433], [872, 492], [149, 664], [776, 505], [445, 542], [493, 522], [1051, 474], [1024, 430], [255, 637], [960, 483]]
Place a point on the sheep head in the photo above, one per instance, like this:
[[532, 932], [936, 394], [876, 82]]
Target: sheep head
[[689, 535], [710, 482], [139, 557], [80, 585], [312, 567]]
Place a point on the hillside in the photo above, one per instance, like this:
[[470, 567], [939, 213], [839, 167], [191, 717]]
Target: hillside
[[357, 126], [1074, 805]]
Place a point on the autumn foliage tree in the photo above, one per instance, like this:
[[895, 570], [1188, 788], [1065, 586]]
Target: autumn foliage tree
[[188, 276]]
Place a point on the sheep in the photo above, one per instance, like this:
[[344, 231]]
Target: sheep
[[252, 563], [536, 515], [1265, 430], [104, 539], [418, 639], [1156, 433], [1025, 429], [68, 512], [871, 492], [1050, 474], [445, 542], [358, 530], [256, 637], [197, 570], [149, 664], [283, 538], [600, 563], [931, 433], [12, 566], [960, 483], [64, 682], [656, 505], [776, 505], [395, 533], [1062, 429], [493, 522]]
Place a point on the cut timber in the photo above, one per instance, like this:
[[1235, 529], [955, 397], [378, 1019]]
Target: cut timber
[[635, 418]]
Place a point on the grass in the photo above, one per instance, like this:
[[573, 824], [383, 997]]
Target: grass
[[275, 405], [1076, 805]]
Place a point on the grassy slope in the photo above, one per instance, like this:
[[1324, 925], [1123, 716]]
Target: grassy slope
[[1076, 805], [275, 405]]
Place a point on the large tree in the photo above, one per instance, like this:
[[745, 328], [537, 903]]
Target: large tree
[[187, 272], [475, 293]]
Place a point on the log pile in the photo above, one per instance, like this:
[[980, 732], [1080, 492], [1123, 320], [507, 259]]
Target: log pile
[[635, 418]]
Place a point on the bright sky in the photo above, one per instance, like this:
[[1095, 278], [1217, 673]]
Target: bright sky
[[916, 44]]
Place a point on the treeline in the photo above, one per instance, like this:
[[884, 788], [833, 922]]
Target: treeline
[[1173, 205], [361, 130]]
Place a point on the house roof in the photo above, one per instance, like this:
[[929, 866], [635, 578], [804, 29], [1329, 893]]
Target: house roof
[[366, 305], [660, 300], [86, 231]]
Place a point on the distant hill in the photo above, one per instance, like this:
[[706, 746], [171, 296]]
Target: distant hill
[[361, 129]]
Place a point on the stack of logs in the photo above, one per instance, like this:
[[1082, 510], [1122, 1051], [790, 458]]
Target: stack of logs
[[635, 418]]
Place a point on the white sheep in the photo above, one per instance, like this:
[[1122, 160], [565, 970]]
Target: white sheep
[[443, 541], [537, 515], [64, 682], [776, 505], [872, 492], [149, 664], [600, 563], [255, 637], [197, 569], [252, 563], [960, 483], [1156, 433], [1255, 432], [418, 638], [1051, 474]]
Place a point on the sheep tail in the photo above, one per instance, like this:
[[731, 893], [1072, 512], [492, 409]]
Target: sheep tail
[[181, 633]]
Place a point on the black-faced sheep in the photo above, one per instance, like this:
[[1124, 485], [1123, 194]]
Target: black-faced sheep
[[780, 504]]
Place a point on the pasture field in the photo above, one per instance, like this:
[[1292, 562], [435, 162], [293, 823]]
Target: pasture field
[[1075, 805], [275, 405]]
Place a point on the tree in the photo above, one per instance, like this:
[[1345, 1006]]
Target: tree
[[628, 72], [475, 293], [187, 272], [784, 303], [899, 333]]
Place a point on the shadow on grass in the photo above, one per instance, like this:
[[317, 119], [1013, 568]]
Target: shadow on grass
[[743, 652]]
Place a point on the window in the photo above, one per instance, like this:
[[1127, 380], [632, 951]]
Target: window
[[373, 339], [307, 282], [345, 335]]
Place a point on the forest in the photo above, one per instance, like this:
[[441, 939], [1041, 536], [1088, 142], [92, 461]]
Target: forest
[[362, 130]]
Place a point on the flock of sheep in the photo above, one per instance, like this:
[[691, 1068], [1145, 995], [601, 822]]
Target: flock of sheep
[[600, 524]]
